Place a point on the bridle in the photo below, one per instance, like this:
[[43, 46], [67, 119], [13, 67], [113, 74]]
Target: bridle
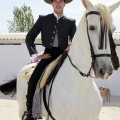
[[102, 39], [93, 55]]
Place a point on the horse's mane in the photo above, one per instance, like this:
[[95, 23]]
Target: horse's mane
[[105, 14]]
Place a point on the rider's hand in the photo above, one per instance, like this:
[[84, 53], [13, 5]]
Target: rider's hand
[[68, 48], [43, 56]]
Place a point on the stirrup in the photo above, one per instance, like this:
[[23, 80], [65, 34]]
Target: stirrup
[[38, 117], [26, 113]]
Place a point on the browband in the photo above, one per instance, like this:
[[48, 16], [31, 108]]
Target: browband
[[92, 12]]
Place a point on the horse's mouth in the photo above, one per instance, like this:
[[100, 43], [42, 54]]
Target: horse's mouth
[[103, 77]]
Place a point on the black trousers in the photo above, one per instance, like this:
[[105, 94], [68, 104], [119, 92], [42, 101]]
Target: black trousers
[[54, 52]]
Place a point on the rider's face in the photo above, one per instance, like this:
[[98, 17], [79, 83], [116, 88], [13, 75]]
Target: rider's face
[[58, 6]]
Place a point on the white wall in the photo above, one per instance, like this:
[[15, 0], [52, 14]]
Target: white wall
[[14, 57]]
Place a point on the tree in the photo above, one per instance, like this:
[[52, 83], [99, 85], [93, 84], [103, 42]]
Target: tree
[[23, 19]]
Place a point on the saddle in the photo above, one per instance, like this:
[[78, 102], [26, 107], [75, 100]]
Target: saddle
[[46, 73]]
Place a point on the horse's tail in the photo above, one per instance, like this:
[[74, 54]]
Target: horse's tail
[[9, 88]]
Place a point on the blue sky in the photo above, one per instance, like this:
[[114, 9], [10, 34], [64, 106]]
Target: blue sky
[[74, 10]]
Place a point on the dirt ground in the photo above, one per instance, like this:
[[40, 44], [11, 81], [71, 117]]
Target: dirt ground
[[9, 108]]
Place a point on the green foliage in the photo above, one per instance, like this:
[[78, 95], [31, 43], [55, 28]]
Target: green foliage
[[23, 20]]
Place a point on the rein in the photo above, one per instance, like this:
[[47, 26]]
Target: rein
[[55, 71], [81, 73]]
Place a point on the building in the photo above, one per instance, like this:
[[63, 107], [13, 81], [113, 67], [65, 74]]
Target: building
[[14, 55]]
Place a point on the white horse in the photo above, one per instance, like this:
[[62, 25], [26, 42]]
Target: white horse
[[73, 96]]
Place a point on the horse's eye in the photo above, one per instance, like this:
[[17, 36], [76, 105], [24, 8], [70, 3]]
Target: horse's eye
[[91, 27]]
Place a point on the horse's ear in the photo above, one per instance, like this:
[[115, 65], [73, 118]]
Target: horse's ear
[[114, 6], [87, 4]]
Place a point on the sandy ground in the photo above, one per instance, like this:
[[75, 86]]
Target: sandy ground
[[9, 108]]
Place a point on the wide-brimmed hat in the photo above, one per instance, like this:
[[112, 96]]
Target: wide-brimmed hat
[[50, 1]]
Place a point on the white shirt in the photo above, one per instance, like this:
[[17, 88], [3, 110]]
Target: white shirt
[[57, 16]]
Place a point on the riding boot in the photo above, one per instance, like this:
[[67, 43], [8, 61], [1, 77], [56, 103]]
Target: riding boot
[[27, 115], [38, 117]]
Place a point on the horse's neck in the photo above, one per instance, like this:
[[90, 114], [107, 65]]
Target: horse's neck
[[81, 58], [68, 77], [80, 49]]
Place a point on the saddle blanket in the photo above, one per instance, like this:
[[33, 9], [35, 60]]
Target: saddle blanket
[[50, 67]]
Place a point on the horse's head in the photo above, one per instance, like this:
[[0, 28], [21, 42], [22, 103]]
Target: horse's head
[[100, 28]]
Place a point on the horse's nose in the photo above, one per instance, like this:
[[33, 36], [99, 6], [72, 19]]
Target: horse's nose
[[102, 71]]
